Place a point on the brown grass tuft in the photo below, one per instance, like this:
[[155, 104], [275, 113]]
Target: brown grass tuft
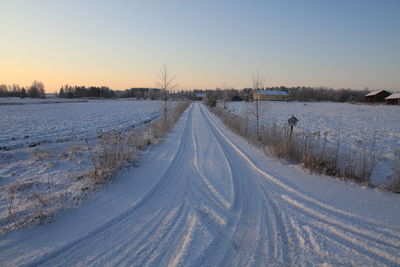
[[309, 149]]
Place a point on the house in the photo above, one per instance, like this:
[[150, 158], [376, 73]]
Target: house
[[50, 95], [272, 95], [200, 96], [376, 96], [393, 99]]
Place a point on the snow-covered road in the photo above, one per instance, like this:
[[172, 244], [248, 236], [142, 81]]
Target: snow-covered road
[[206, 198]]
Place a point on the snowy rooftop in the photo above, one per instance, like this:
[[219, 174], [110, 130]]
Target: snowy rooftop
[[393, 96], [272, 92], [374, 92]]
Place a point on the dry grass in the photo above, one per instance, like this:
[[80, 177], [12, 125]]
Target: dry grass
[[28, 203], [309, 149], [116, 149], [395, 185], [113, 152], [32, 202]]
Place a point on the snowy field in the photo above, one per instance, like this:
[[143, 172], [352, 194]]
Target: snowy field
[[27, 101], [42, 147], [29, 124], [212, 199], [359, 126]]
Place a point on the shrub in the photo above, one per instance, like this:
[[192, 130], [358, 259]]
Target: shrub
[[36, 90], [117, 149], [211, 101]]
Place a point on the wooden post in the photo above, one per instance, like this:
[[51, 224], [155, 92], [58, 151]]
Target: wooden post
[[291, 131]]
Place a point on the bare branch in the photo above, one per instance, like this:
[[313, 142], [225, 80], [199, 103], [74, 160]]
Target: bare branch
[[258, 84], [166, 83]]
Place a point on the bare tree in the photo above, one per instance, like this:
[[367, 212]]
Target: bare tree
[[226, 95], [258, 84], [36, 90], [166, 82]]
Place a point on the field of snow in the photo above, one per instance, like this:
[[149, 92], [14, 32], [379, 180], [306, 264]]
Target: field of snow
[[42, 148], [27, 101], [29, 124], [359, 126], [205, 197]]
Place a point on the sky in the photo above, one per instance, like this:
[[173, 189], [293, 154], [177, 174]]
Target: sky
[[206, 44]]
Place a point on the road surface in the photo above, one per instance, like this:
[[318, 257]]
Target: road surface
[[204, 197]]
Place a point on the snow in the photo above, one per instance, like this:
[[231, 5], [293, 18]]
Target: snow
[[374, 92], [393, 96], [212, 199], [27, 101], [359, 126], [23, 125], [43, 156]]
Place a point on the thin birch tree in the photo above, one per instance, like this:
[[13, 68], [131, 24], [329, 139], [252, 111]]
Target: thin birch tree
[[166, 82], [258, 84]]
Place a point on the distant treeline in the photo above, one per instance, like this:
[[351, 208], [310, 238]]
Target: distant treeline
[[324, 94], [141, 93], [295, 93], [67, 91], [35, 90], [156, 94], [246, 94]]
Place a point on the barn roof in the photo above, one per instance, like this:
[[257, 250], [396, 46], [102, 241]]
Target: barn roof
[[393, 96], [272, 92], [375, 92]]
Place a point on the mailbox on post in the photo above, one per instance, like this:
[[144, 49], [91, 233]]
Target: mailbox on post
[[292, 122]]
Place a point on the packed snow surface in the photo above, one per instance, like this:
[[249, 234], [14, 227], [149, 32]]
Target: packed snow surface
[[355, 126], [205, 197]]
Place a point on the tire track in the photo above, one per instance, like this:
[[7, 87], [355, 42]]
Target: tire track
[[376, 236], [248, 221], [238, 216], [155, 192]]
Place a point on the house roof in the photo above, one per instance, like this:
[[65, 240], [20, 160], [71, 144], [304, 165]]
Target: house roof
[[272, 92], [375, 92], [393, 96], [200, 95]]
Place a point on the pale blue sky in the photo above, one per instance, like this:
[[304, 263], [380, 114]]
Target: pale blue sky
[[207, 44]]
